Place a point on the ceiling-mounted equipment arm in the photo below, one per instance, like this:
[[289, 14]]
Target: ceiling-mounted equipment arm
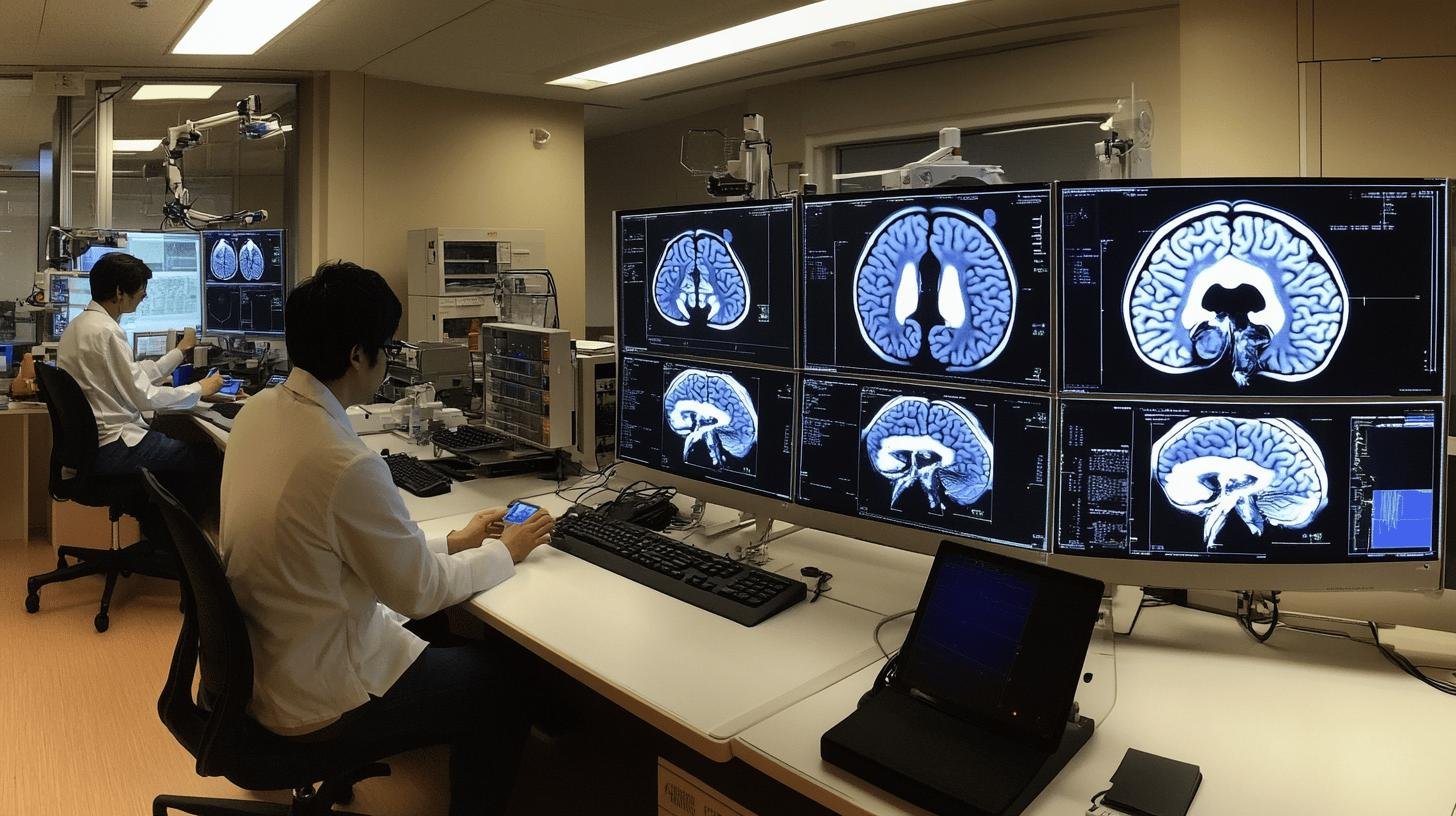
[[252, 125]]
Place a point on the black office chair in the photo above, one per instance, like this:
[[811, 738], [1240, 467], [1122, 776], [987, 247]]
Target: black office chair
[[74, 442], [224, 739]]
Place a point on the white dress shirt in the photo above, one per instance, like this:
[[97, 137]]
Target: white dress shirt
[[319, 549], [95, 352]]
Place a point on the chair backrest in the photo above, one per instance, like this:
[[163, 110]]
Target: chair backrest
[[213, 629], [74, 438]]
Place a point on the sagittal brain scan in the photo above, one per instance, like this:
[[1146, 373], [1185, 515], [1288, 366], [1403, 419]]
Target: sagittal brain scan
[[1300, 288], [730, 424], [713, 410], [1265, 471], [950, 285], [223, 261], [712, 282], [1250, 481], [957, 461], [936, 446], [1238, 285]]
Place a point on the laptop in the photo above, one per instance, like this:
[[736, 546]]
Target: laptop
[[972, 717]]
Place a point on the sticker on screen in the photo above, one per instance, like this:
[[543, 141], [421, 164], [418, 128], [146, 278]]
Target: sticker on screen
[[519, 512]]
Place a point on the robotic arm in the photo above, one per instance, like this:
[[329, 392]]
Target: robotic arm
[[252, 125]]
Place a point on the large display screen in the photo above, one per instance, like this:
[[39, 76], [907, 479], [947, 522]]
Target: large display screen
[[245, 284], [1261, 288], [1251, 482], [956, 461], [715, 281], [726, 424], [952, 285], [174, 293]]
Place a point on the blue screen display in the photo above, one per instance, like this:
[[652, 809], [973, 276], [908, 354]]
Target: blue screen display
[[519, 512]]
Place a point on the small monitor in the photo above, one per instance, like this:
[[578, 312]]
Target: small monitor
[[712, 281], [954, 285], [1260, 288], [722, 424], [150, 345], [245, 284], [1252, 483], [968, 463]]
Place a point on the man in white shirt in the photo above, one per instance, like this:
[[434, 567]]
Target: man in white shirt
[[94, 351], [326, 563]]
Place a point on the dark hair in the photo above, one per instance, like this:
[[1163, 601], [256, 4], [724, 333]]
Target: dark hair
[[342, 306], [118, 273]]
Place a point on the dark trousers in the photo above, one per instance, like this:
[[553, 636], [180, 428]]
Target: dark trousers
[[190, 467], [460, 696]]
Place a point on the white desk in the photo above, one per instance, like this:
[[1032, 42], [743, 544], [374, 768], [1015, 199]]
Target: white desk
[[1304, 725]]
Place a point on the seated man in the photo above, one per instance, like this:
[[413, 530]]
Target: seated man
[[326, 563], [94, 351]]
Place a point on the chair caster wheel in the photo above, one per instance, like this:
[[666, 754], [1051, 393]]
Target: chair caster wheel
[[102, 622], [32, 603]]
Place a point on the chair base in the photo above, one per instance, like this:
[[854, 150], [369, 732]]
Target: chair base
[[141, 558], [306, 801]]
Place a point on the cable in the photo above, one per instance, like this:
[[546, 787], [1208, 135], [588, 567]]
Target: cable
[[1147, 602], [1244, 613], [881, 625], [1403, 663]]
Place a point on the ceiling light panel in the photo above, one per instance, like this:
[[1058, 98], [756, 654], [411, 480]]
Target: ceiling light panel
[[804, 21], [154, 92], [240, 27]]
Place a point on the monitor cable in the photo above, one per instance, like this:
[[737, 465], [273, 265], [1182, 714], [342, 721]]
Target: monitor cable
[[1404, 663], [1246, 614], [881, 625]]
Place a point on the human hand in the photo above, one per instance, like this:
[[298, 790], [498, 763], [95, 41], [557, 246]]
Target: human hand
[[188, 341], [211, 384], [521, 539], [483, 525]]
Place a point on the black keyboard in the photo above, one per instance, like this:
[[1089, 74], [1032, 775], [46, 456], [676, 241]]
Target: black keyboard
[[415, 476], [739, 592], [468, 439], [228, 409]]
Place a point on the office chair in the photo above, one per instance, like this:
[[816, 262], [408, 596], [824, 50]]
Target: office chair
[[74, 442], [220, 734]]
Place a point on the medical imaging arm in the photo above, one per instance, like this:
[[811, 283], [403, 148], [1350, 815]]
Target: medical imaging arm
[[251, 124]]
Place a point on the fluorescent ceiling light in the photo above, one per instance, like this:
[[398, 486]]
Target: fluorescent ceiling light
[[1049, 126], [814, 18], [153, 92], [239, 27], [135, 145]]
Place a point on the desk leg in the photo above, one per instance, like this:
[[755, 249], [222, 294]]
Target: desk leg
[[14, 478], [39, 430]]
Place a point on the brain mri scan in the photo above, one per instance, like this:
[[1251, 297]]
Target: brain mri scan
[[1267, 471], [937, 445], [975, 288], [1239, 285], [250, 261], [700, 280], [224, 261], [712, 409]]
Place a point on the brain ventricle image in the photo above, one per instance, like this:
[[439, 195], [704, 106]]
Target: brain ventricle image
[[1267, 471], [936, 445], [223, 263], [700, 279], [1239, 285], [713, 409]]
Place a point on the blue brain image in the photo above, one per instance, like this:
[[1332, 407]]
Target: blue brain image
[[223, 263], [975, 289], [713, 409], [1266, 471], [1289, 332], [700, 279], [250, 261], [938, 445]]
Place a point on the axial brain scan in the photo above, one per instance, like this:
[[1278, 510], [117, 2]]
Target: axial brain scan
[[713, 409], [1267, 471], [223, 263], [1240, 285], [701, 279], [976, 288], [250, 260], [937, 445]]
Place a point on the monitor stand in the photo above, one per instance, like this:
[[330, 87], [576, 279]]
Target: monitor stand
[[756, 550]]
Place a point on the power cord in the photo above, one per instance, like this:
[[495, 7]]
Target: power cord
[[1245, 611], [1403, 663], [881, 625]]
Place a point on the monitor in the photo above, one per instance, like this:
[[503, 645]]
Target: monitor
[[1260, 288], [954, 285], [150, 345], [713, 281], [727, 425], [1252, 494], [246, 282], [955, 461], [174, 294]]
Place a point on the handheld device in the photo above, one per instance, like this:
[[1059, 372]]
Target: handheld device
[[519, 512], [230, 388]]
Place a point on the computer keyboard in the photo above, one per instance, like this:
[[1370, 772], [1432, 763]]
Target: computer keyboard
[[228, 409], [468, 439], [739, 592], [415, 476]]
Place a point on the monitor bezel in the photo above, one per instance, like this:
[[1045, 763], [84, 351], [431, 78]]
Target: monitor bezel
[[287, 285]]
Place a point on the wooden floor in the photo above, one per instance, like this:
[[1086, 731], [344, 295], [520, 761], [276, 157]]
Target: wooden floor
[[79, 733]]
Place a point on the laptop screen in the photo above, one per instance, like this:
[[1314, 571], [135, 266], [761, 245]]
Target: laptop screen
[[1000, 641]]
